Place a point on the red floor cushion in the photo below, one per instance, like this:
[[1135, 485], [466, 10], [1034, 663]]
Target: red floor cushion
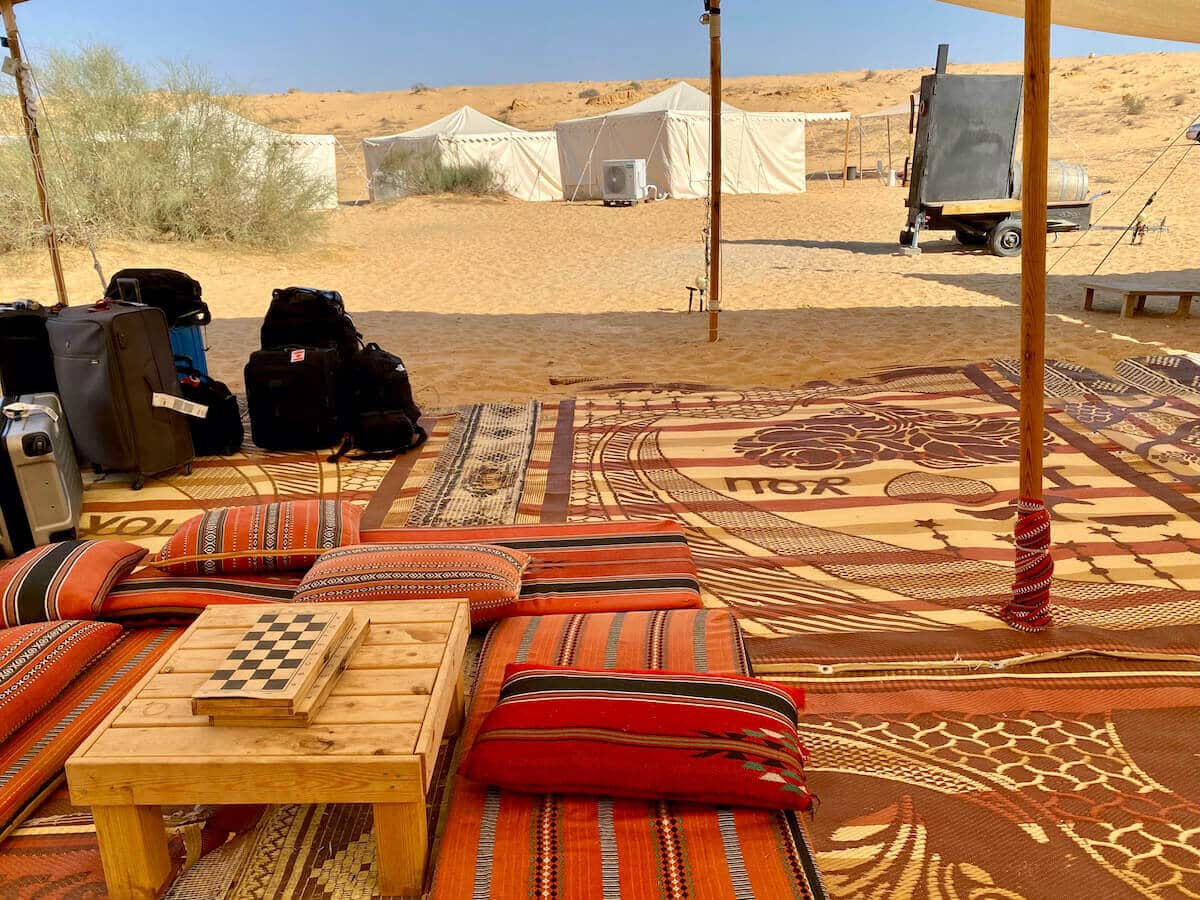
[[152, 595], [62, 581], [487, 576], [37, 661], [271, 537], [585, 567], [700, 738]]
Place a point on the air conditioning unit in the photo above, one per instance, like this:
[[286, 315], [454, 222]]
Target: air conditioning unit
[[624, 181]]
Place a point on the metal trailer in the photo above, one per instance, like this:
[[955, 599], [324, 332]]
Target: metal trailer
[[961, 173]]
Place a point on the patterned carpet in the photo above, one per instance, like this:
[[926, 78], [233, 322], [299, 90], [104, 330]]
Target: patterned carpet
[[861, 532]]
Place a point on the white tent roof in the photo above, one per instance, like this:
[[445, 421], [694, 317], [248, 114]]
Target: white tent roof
[[526, 160], [464, 122], [1170, 20], [679, 97]]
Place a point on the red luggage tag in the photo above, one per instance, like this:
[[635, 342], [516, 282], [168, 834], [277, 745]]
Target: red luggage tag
[[297, 356]]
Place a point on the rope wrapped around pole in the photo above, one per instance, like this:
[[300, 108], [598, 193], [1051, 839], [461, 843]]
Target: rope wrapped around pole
[[1029, 607]]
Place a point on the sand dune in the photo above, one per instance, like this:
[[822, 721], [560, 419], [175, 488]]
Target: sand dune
[[490, 299]]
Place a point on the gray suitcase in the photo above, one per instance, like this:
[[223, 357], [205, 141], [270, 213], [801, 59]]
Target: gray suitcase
[[111, 360], [41, 492]]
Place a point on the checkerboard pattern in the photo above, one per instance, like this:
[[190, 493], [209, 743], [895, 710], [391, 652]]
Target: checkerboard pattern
[[271, 651]]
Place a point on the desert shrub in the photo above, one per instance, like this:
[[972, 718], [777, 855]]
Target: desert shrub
[[1179, 100], [127, 158], [1133, 104], [420, 88], [423, 171], [869, 74], [588, 93], [634, 86]]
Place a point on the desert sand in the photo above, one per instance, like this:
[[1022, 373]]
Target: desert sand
[[492, 299]]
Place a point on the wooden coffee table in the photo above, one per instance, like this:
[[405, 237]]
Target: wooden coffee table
[[375, 740]]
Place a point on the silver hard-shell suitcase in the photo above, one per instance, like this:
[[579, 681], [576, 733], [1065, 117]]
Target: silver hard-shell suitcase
[[41, 491]]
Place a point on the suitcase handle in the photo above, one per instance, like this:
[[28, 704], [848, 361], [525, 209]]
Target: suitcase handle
[[21, 410]]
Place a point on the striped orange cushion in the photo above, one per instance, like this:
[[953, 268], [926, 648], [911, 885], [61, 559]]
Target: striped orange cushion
[[152, 595], [37, 661], [62, 581], [272, 537], [489, 577]]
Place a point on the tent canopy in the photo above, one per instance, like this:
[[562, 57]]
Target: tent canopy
[[763, 152], [1168, 20], [316, 153], [526, 161]]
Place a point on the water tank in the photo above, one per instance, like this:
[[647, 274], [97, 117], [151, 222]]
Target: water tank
[[1064, 181]]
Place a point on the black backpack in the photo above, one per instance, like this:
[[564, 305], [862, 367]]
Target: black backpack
[[307, 317], [220, 433], [385, 418], [176, 294]]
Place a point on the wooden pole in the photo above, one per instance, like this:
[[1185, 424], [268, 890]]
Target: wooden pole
[[1033, 243], [35, 146], [846, 154], [713, 8], [888, 121]]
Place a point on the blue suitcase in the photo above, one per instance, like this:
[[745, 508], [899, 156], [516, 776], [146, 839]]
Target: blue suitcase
[[188, 340]]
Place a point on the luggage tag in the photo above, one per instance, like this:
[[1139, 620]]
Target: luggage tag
[[179, 405], [21, 410]]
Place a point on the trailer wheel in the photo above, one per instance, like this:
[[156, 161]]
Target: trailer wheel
[[1005, 239], [969, 238]]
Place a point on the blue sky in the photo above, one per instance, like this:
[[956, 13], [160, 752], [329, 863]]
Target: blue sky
[[364, 45]]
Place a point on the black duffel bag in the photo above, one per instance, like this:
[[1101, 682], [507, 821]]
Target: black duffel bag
[[385, 419], [307, 317], [221, 432], [176, 294]]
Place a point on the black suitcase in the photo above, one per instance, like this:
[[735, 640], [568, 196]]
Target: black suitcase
[[306, 317], [115, 369], [220, 433], [293, 395], [26, 364]]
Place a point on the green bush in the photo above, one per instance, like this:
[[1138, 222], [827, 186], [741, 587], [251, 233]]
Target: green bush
[[588, 93], [128, 158], [422, 171]]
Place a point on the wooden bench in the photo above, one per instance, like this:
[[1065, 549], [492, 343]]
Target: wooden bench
[[1135, 291]]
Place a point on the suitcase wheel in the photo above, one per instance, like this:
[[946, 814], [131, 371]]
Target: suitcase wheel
[[187, 469], [139, 482]]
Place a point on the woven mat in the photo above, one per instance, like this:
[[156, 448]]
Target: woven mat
[[870, 523]]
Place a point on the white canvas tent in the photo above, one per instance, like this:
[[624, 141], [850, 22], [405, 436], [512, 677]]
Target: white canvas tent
[[763, 153], [316, 153], [527, 161]]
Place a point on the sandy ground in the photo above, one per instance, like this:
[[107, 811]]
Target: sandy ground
[[491, 299]]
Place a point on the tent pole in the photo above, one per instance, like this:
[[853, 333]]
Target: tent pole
[[888, 122], [35, 146], [713, 15], [846, 154], [1029, 607]]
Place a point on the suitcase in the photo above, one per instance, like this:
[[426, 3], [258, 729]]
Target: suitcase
[[115, 369], [26, 365], [180, 298], [41, 492], [293, 397], [188, 340]]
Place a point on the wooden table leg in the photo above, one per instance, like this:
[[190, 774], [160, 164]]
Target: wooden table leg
[[1141, 304], [1128, 305], [457, 711], [1088, 296], [133, 849], [401, 845], [1185, 306]]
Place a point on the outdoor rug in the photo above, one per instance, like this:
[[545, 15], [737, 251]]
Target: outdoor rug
[[869, 523]]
